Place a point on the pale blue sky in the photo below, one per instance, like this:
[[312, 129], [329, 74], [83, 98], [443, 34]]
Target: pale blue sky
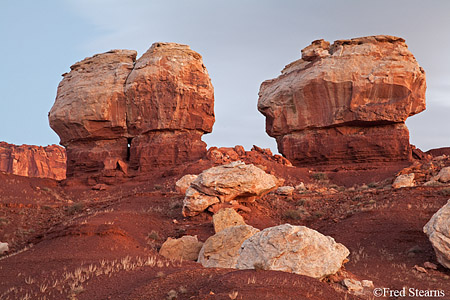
[[243, 42]]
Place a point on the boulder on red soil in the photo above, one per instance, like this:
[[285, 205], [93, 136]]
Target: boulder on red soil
[[347, 102], [185, 248], [33, 161], [113, 112], [295, 249], [222, 249], [438, 232], [226, 217], [234, 181]]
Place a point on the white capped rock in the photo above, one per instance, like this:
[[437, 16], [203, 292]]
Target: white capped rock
[[438, 231], [294, 249], [285, 190], [222, 249], [4, 247], [234, 181]]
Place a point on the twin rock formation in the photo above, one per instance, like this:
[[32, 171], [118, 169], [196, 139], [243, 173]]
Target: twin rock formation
[[113, 113], [345, 102], [341, 103]]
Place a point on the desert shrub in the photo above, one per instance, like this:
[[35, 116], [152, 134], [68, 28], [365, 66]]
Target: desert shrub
[[259, 266], [319, 176], [172, 294], [293, 214], [75, 208], [445, 192], [153, 235]]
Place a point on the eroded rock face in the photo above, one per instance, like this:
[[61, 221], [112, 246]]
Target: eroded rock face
[[294, 249], [33, 161], [234, 181], [222, 249], [113, 112], [438, 231], [347, 97]]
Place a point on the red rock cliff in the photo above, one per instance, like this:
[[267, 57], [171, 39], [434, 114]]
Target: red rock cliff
[[347, 102], [33, 161]]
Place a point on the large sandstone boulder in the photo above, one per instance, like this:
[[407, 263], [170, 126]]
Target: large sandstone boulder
[[113, 112], [185, 248], [438, 231], [227, 217], [295, 249], [33, 161], [444, 175], [184, 182], [405, 180], [345, 102], [222, 249], [234, 181]]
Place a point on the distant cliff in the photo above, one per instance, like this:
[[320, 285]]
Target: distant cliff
[[33, 161]]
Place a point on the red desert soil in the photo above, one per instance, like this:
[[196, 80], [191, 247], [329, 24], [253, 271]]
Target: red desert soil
[[72, 242]]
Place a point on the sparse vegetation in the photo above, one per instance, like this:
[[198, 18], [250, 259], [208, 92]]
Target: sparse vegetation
[[75, 208], [294, 214], [319, 176], [445, 192], [172, 294]]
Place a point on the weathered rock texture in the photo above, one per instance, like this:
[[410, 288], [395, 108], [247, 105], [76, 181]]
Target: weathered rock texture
[[235, 181], [33, 161], [405, 180], [294, 249], [226, 217], [438, 231], [185, 248], [113, 112], [222, 249], [347, 102]]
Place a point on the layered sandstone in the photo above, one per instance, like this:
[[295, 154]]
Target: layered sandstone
[[33, 161], [115, 114], [345, 102]]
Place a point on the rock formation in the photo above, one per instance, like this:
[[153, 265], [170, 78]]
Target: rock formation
[[222, 249], [113, 113], [33, 161], [235, 181], [438, 232], [345, 102], [295, 249]]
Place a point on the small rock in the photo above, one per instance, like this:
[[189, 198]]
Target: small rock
[[184, 248], [405, 180], [4, 247], [285, 190], [420, 269], [227, 217], [100, 187], [184, 182], [300, 187], [429, 265], [444, 175], [352, 285], [367, 283]]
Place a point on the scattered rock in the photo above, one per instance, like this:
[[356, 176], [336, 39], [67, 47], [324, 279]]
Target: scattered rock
[[100, 187], [438, 232], [184, 182], [430, 265], [300, 187], [367, 283], [285, 190], [405, 180], [226, 217], [353, 286], [420, 269], [184, 248], [222, 249], [444, 175], [347, 102], [234, 181], [295, 249], [33, 161], [4, 247]]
